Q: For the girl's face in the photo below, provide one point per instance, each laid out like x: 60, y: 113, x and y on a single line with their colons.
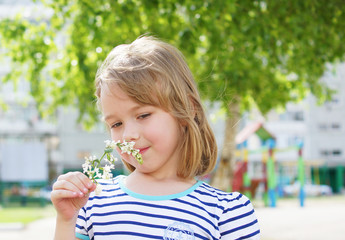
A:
x: 155, y: 132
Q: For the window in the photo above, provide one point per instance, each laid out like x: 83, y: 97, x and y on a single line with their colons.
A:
x: 292, y: 116
x: 336, y: 152
x: 324, y: 153
x: 334, y: 102
x: 331, y: 153
x: 336, y: 126
x: 298, y: 116
x: 331, y: 126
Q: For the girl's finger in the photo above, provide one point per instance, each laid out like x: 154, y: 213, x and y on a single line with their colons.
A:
x: 78, y: 179
x: 70, y: 186
x: 56, y: 194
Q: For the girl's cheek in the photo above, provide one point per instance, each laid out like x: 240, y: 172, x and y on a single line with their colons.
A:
x: 115, y: 135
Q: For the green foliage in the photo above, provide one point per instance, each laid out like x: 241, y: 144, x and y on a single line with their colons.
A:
x: 264, y: 53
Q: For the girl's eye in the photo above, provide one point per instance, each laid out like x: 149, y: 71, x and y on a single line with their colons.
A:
x: 142, y: 116
x: 115, y: 125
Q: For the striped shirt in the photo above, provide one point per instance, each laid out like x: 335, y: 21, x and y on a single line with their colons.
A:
x: 201, y: 212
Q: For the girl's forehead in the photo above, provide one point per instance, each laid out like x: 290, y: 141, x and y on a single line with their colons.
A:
x: 113, y: 90
x: 114, y: 94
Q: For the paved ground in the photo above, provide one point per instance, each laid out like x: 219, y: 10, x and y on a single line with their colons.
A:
x: 321, y: 218
x: 39, y: 230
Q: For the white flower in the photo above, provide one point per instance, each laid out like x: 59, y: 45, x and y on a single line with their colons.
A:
x: 97, y: 173
x: 86, y: 167
x: 107, y: 171
x: 90, y: 159
x: 108, y: 168
x: 111, y: 159
x: 110, y: 144
x: 93, y: 168
x: 128, y: 147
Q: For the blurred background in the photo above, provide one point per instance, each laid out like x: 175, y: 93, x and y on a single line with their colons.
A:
x: 271, y: 74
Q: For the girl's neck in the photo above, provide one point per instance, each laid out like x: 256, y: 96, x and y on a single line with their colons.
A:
x: 147, y: 184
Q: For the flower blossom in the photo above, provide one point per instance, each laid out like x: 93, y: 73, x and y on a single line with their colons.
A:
x: 92, y: 166
x: 128, y: 147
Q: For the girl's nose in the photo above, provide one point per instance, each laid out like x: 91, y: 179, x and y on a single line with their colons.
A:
x: 130, y: 133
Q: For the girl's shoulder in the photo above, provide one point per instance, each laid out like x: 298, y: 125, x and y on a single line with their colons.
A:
x: 210, y: 193
x: 236, y: 215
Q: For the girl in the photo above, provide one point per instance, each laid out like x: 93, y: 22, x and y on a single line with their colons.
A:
x: 147, y: 94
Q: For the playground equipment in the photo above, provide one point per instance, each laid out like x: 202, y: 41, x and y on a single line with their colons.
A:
x: 242, y: 182
x: 272, y: 185
x: 301, y: 173
x: 271, y: 176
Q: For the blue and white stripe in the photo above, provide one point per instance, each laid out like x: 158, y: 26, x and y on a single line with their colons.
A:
x: 201, y: 212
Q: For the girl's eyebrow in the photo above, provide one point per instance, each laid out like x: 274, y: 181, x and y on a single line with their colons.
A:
x: 112, y: 116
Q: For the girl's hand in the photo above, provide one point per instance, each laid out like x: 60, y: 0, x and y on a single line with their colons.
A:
x: 70, y: 193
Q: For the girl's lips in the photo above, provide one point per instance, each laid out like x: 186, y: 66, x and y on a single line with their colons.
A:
x: 143, y: 150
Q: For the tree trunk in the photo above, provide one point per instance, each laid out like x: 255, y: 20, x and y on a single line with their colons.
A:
x: 223, y: 176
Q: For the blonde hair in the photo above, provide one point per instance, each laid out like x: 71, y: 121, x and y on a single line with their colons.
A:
x: 154, y: 72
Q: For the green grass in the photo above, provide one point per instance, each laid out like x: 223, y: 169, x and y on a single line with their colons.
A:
x: 25, y: 214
